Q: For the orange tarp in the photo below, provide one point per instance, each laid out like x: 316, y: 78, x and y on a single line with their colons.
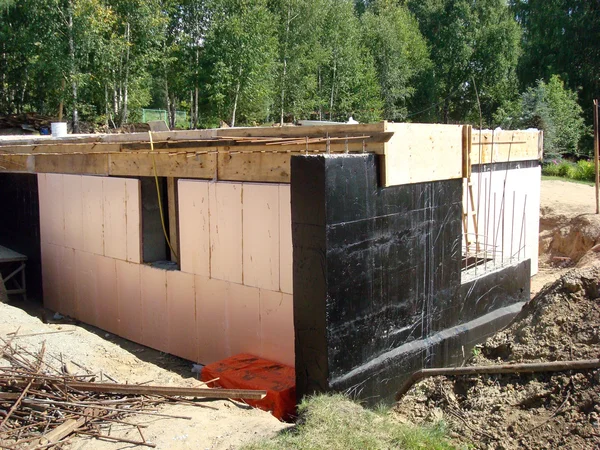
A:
x: 246, y: 371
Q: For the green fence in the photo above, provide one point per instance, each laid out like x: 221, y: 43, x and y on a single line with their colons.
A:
x: 181, y: 118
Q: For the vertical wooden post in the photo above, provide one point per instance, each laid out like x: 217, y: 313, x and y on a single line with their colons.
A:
x: 596, y: 154
x: 172, y: 210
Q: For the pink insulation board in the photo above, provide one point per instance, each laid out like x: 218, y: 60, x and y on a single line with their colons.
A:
x: 212, y: 321
x: 93, y: 215
x: 194, y: 229
x: 285, y: 239
x: 91, y: 240
x: 226, y: 231
x: 129, y: 300
x: 277, y: 327
x: 261, y: 235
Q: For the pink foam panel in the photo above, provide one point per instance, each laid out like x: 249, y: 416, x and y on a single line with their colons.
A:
x: 226, y: 231
x: 277, y: 327
x: 261, y: 235
x: 194, y: 229
x: 181, y: 304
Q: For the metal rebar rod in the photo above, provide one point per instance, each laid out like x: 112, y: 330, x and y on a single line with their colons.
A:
x: 558, y: 366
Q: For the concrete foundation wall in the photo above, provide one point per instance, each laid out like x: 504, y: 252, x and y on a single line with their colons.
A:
x: 508, y: 215
x: 232, y: 294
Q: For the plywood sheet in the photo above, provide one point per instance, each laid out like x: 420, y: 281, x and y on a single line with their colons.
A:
x: 129, y: 300
x: 212, y: 322
x: 73, y: 207
x: 261, y: 235
x: 55, y: 195
x: 115, y: 218
x: 285, y: 240
x: 108, y: 300
x: 181, y: 305
x: 154, y: 308
x: 87, y: 287
x: 225, y: 202
x: 277, y: 327
x: 194, y: 227
x: 505, y: 145
x: 93, y: 214
x: 422, y: 152
x: 133, y: 218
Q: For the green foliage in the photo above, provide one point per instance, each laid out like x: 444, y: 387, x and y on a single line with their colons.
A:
x: 392, y: 35
x: 550, y: 107
x: 469, y: 41
x: 334, y: 422
x: 582, y: 170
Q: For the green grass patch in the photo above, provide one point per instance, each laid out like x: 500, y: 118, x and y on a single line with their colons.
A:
x: 335, y: 422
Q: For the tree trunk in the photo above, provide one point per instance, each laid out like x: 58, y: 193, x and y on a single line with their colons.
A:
x: 126, y: 87
x: 283, y: 76
x: 237, y: 95
x: 73, y: 79
x: 320, y: 98
x: 332, y: 89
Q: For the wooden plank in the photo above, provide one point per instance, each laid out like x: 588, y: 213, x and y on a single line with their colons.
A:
x: 173, y: 217
x: 422, y: 152
x: 265, y: 167
x: 141, y: 164
x: 505, y: 145
x: 169, y: 391
x: 321, y: 131
x: 72, y: 164
x: 17, y: 163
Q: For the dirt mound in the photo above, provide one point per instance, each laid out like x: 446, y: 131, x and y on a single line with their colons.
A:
x: 570, y: 237
x: 533, y: 411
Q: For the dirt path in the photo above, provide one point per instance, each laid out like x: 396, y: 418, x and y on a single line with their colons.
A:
x: 568, y: 228
x: 214, y: 424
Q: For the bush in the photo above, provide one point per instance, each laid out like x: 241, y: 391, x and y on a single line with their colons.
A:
x: 583, y: 170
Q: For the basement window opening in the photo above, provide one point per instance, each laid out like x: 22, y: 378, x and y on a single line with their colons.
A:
x: 156, y: 229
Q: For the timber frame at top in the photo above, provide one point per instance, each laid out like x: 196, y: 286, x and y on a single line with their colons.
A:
x: 409, y: 153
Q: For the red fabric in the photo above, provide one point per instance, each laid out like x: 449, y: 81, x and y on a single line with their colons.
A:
x: 246, y: 371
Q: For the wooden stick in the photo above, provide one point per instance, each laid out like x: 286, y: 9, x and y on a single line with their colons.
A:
x: 117, y: 439
x: 172, y: 391
x: 597, y: 154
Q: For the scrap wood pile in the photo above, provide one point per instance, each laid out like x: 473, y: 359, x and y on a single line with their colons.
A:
x: 44, y: 404
x: 544, y: 410
x: 29, y: 121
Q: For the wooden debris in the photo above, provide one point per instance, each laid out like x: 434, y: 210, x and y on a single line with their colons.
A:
x: 42, y: 406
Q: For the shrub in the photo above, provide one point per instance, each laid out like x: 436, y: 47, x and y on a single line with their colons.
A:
x: 583, y: 170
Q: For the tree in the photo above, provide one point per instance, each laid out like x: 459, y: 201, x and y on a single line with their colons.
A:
x: 400, y: 53
x: 300, y: 53
x: 239, y: 60
x: 473, y: 44
x: 561, y: 37
x: 552, y: 108
x: 347, y: 79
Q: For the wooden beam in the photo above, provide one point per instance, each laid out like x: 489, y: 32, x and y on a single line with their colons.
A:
x: 72, y: 164
x: 504, y: 146
x: 181, y: 166
x: 173, y: 217
x: 265, y: 167
x: 420, y: 153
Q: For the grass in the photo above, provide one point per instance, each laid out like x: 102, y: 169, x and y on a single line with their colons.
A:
x: 328, y: 422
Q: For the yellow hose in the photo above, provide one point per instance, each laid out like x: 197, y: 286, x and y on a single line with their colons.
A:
x: 160, y: 209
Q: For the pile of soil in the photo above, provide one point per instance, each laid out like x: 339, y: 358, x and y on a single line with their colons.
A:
x: 533, y: 411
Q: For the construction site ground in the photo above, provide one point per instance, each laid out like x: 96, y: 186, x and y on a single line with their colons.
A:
x: 488, y: 411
